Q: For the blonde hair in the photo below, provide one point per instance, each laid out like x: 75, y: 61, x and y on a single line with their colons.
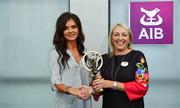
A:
x: 111, y: 46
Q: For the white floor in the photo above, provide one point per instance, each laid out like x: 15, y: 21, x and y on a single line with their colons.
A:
x: 37, y: 94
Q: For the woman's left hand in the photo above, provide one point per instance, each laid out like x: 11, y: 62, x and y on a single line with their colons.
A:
x: 84, y: 93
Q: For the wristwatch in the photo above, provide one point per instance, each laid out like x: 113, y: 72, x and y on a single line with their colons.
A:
x: 115, y: 85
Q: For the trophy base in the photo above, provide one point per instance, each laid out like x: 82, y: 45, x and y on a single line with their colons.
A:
x: 101, y: 90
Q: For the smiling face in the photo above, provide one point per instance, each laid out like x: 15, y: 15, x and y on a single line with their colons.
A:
x: 120, y: 39
x: 71, y: 31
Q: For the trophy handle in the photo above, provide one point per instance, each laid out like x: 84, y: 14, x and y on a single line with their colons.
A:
x: 92, y: 62
x: 100, y: 78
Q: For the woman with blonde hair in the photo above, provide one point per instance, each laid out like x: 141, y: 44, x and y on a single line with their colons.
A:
x: 124, y: 73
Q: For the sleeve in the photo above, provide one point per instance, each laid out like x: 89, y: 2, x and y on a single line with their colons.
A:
x: 96, y: 96
x: 55, y: 70
x: 138, y: 88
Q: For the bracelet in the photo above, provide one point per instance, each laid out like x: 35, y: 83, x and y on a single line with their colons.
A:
x: 67, y: 89
x: 115, y: 85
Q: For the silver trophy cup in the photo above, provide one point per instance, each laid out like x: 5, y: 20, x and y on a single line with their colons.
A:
x: 92, y: 62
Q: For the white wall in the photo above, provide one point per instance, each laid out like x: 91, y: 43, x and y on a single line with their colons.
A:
x: 163, y: 60
x: 94, y: 18
x: 26, y: 33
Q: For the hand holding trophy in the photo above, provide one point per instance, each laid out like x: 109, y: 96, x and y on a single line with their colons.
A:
x: 92, y: 62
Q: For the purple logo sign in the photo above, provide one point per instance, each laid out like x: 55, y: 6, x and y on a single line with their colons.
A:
x: 152, y: 22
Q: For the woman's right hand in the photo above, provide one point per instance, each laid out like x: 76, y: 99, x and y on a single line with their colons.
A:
x: 98, y: 76
x: 99, y: 84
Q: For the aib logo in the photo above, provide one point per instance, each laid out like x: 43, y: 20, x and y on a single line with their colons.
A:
x: 149, y: 19
x: 152, y: 22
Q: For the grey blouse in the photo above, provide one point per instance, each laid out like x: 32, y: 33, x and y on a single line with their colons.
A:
x: 75, y: 75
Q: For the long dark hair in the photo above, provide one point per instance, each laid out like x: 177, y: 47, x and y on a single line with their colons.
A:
x: 59, y: 41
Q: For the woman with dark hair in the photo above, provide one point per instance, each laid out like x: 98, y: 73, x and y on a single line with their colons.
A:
x: 68, y: 77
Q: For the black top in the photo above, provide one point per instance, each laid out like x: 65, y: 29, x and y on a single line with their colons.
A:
x: 114, y: 98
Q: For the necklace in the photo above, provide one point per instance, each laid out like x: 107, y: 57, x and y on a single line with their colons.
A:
x: 122, y: 63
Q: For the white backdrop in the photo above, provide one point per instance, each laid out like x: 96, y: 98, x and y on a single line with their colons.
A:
x: 94, y: 17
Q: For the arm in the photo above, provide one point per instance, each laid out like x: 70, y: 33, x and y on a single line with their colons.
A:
x: 138, y: 88
x: 135, y: 89
x: 81, y: 93
x: 101, y: 83
x: 56, y: 82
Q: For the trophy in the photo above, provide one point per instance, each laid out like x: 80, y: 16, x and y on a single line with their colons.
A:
x: 92, y: 62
